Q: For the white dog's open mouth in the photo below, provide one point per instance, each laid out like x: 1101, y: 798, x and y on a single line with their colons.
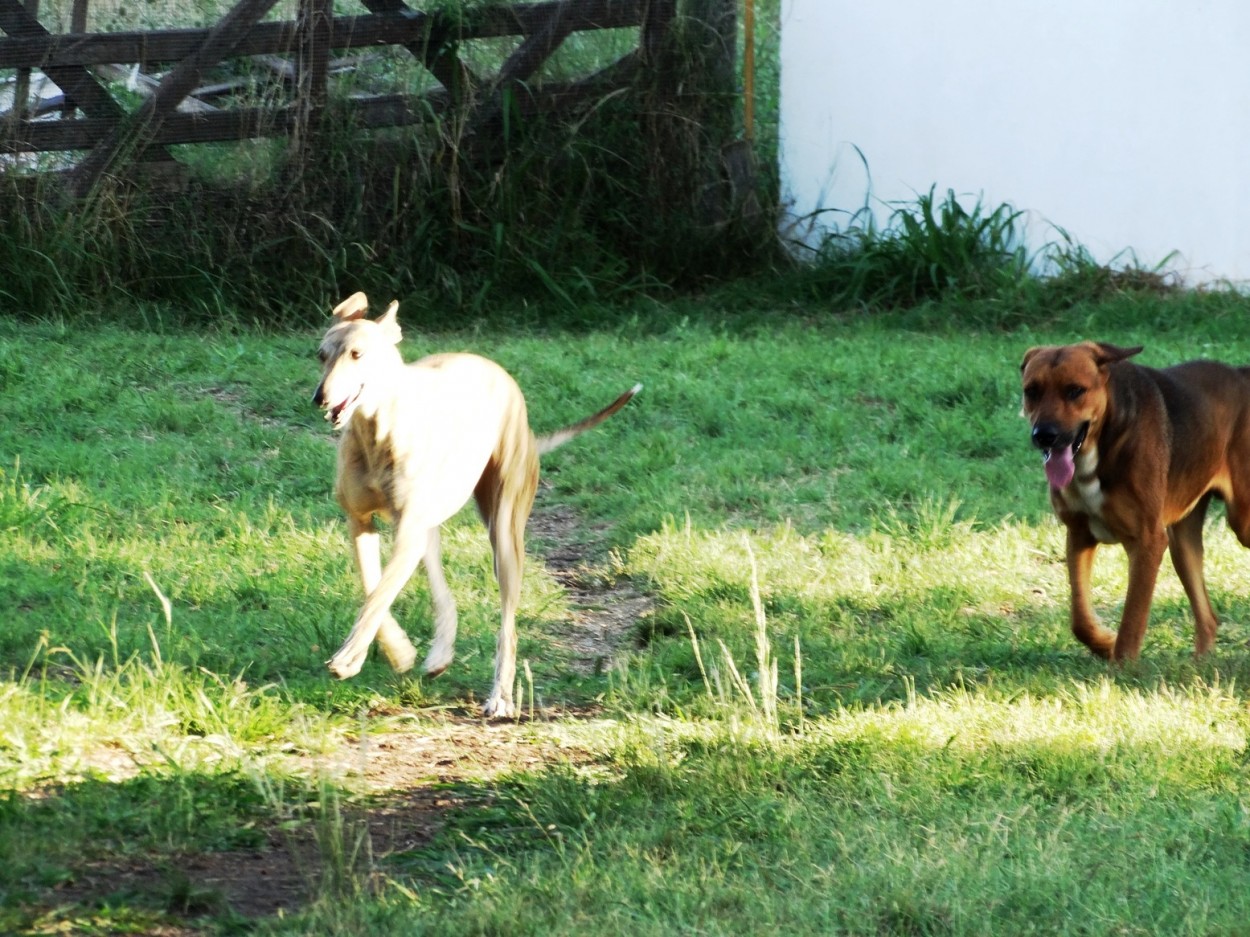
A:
x: 339, y: 413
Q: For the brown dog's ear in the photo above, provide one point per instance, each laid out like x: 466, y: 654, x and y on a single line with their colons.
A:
x: 351, y: 308
x: 1109, y: 354
x: 1028, y: 356
x: 390, y: 322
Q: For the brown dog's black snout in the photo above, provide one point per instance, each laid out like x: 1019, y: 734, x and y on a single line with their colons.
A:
x: 319, y: 396
x: 1046, y: 435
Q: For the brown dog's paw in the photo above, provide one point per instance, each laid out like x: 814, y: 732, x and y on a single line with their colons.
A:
x: 1100, y: 642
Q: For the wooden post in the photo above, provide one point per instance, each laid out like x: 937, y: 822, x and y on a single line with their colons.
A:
x: 312, y: 64
x: 78, y: 26
x: 748, y: 70
x: 715, y: 30
x: 657, y: 17
x: 312, y: 68
x: 21, y: 90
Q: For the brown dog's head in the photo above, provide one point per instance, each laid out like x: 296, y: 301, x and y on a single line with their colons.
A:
x: 354, y: 353
x: 1065, y: 396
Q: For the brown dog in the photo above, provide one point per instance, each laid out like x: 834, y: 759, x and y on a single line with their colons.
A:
x: 418, y: 440
x: 1134, y: 455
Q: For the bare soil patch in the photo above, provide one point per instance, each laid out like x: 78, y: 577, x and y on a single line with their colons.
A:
x: 406, y: 782
x: 606, y: 610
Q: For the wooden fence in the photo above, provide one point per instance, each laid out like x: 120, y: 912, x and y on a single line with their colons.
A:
x: 178, y: 108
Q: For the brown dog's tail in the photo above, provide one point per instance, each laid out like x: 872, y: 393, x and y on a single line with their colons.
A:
x: 561, y: 436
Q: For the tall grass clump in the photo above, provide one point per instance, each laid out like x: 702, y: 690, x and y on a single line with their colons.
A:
x: 946, y: 252
x: 750, y: 702
x: 928, y: 250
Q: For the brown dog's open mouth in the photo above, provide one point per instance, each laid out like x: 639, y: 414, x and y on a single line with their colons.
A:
x: 336, y: 413
x: 1060, y: 460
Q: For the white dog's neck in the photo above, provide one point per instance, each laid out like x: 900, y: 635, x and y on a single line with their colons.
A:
x: 374, y: 412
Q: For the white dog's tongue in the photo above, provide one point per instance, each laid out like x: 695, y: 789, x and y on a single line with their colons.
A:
x: 1059, y: 467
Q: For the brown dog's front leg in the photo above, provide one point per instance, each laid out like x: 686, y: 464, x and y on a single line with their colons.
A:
x: 1085, y: 625
x: 1144, y: 557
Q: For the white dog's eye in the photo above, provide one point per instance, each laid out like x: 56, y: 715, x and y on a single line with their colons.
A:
x: 355, y: 354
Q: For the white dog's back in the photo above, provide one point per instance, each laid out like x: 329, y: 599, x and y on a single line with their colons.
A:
x: 460, y: 397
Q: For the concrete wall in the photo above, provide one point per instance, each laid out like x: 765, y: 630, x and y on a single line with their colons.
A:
x: 1125, y: 123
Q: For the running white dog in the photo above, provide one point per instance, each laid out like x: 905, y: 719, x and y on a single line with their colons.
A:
x: 418, y: 440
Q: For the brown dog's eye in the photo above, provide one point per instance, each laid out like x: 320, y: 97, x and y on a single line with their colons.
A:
x: 1073, y: 392
x: 1033, y: 393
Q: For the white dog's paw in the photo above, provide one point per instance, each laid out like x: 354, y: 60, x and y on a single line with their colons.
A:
x: 438, y: 660
x: 400, y: 653
x: 498, y: 708
x: 401, y: 657
x: 346, y: 664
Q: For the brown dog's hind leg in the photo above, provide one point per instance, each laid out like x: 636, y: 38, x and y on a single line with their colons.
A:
x: 1185, y: 546
x: 1081, y: 549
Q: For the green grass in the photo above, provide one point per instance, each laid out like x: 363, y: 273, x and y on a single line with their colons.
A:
x: 855, y: 709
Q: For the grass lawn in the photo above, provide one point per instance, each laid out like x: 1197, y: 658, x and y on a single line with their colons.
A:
x: 830, y: 687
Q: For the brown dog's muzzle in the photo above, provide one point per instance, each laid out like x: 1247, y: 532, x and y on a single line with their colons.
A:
x: 1060, y: 448
x: 1048, y: 436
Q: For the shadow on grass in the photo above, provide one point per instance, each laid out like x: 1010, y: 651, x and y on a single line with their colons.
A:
x: 163, y: 849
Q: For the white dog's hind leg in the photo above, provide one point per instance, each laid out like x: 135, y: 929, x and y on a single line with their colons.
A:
x: 509, y: 556
x: 375, y: 617
x: 443, y: 648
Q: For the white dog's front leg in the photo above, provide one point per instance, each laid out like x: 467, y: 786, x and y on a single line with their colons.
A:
x: 367, y: 547
x: 376, y: 613
x: 443, y: 648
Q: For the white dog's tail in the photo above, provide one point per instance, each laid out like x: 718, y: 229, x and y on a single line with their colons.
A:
x: 561, y: 436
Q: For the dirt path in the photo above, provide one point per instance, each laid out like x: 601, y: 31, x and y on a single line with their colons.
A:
x: 606, y: 610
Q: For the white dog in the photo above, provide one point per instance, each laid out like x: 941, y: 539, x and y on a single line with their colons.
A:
x: 418, y: 440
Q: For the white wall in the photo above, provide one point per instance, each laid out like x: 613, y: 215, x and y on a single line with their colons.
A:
x: 1125, y: 122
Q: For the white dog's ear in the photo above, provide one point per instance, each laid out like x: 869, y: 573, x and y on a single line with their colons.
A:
x: 351, y: 308
x: 390, y: 322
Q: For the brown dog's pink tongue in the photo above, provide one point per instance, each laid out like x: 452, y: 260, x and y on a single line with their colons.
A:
x: 1059, y: 467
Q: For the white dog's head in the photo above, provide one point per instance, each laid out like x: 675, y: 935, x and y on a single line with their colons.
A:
x: 355, y: 353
